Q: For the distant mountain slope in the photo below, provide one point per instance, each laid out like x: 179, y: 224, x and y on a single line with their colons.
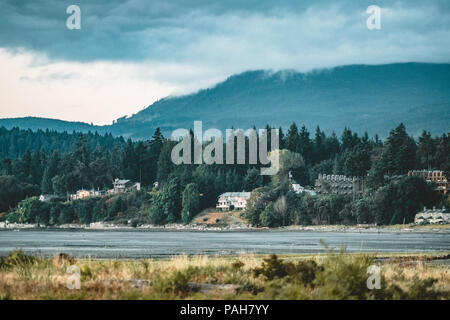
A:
x: 364, y: 98
x: 35, y: 123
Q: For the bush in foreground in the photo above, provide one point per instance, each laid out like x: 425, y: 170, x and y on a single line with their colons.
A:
x: 330, y: 276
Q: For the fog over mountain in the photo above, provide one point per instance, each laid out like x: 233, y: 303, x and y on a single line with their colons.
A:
x: 372, y: 98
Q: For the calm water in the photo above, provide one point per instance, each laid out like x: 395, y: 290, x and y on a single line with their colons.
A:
x: 134, y: 244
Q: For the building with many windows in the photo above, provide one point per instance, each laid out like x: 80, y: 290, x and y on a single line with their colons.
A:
x: 435, y: 176
x: 339, y: 184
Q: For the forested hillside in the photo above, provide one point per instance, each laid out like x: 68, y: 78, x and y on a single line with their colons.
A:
x: 15, y: 142
x: 186, y: 189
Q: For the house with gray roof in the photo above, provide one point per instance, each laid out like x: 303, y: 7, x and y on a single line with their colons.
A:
x: 432, y: 216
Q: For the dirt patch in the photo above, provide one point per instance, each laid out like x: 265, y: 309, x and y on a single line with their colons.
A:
x: 214, y: 218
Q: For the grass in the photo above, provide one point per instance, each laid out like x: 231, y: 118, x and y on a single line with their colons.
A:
x: 325, y: 276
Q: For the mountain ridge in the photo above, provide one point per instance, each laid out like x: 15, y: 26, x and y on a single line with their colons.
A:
x: 372, y: 98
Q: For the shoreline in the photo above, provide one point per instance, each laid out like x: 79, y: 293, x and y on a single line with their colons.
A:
x: 232, y: 228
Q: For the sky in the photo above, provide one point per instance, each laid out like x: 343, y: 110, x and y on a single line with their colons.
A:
x: 130, y: 53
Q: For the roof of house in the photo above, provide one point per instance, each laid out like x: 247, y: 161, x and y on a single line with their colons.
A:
x: 121, y: 181
x: 424, y: 171
x: 48, y: 196
x: 433, y: 211
x: 236, y: 194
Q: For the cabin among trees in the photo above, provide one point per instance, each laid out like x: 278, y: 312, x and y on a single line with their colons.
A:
x: 123, y: 185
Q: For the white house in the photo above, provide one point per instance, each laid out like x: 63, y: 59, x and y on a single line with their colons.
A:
x: 432, y: 216
x: 232, y: 201
x: 83, y: 194
x: 297, y: 188
x: 123, y: 185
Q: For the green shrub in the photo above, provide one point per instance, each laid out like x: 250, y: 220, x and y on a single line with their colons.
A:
x: 420, y: 289
x: 273, y: 268
x: 134, y: 223
x: 343, y: 277
x: 86, y: 272
x: 339, y: 277
x: 176, y: 284
x: 237, y: 265
x: 17, y: 258
x: 304, y: 272
x: 283, y: 289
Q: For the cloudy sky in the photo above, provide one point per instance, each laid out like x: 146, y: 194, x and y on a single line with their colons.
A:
x: 131, y: 53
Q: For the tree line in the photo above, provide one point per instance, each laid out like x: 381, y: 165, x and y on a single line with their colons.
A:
x: 94, y: 161
x: 15, y: 142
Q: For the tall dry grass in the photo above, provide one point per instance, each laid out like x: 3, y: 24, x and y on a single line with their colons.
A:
x: 215, y: 277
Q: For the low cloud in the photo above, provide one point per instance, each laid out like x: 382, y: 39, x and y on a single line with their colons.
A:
x: 91, y: 92
x: 134, y: 52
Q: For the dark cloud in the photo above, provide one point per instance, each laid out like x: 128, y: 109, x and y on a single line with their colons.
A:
x: 211, y: 31
x: 143, y: 50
